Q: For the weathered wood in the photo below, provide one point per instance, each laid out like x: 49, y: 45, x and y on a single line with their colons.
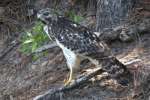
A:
x: 7, y: 50
x: 45, y: 47
x: 126, y: 32
x: 112, y: 13
x: 120, y: 19
x: 53, y: 94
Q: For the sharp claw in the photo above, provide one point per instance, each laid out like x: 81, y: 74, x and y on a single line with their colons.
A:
x: 67, y: 82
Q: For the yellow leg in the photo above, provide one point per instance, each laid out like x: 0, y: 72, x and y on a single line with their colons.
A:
x: 70, y: 77
x: 73, y: 64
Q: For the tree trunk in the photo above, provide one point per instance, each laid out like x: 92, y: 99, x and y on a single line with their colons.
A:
x: 112, y: 13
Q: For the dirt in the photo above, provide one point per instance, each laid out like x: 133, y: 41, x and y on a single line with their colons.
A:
x: 23, y: 79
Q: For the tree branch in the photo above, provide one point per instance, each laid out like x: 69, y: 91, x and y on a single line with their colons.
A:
x: 53, y: 94
x: 5, y: 52
x: 45, y: 47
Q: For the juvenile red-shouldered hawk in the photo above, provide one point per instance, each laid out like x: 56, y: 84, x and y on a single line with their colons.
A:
x: 78, y: 42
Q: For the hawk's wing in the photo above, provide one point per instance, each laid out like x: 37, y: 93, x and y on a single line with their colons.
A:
x: 79, y: 39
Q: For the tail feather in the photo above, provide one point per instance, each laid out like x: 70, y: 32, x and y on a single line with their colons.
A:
x: 116, y: 69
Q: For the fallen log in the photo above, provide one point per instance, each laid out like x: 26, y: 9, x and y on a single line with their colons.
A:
x: 126, y: 32
x: 53, y: 93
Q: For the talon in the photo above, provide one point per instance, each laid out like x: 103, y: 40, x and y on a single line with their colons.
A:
x: 67, y: 82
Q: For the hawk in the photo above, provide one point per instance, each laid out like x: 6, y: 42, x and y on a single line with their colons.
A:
x: 78, y: 42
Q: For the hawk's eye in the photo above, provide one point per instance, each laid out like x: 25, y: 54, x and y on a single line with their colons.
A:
x: 46, y: 14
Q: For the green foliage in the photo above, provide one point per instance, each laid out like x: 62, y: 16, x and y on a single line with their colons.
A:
x: 37, y: 56
x: 33, y: 39
x: 74, y: 17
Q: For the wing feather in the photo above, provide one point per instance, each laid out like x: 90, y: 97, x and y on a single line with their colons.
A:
x: 79, y: 39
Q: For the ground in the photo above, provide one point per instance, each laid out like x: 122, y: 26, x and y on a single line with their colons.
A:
x: 23, y: 79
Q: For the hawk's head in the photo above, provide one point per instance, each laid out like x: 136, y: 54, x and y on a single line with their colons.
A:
x: 47, y: 15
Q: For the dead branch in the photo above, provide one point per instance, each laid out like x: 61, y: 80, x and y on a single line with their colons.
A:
x: 132, y: 61
x: 126, y: 32
x: 5, y: 52
x: 52, y: 94
x: 45, y: 47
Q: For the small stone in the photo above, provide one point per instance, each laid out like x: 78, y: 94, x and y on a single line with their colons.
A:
x: 33, y: 66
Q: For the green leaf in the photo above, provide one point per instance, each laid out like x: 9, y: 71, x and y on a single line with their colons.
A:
x: 29, y: 34
x: 35, y: 57
x: 77, y: 19
x: 34, y: 47
x: 28, y: 41
x: 74, y: 17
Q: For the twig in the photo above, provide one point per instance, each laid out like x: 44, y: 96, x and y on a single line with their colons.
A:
x: 52, y: 94
x: 5, y: 52
x: 132, y: 61
x: 45, y: 47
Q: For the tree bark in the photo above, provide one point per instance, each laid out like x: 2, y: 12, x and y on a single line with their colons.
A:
x: 112, y: 13
x: 122, y: 19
